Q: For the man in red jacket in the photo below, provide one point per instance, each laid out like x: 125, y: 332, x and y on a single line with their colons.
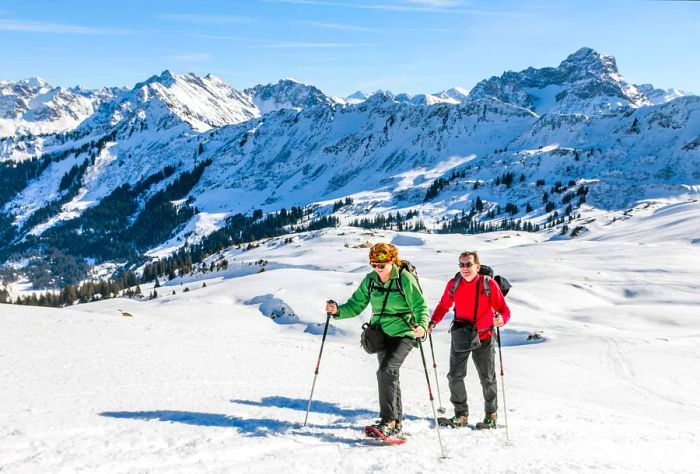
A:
x: 477, y: 312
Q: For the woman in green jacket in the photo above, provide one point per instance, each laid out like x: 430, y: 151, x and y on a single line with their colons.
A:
x: 399, y: 308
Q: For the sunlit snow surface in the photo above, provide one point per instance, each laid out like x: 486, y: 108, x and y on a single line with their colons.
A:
x: 209, y: 381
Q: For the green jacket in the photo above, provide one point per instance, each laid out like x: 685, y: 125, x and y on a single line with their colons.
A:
x: 413, y: 306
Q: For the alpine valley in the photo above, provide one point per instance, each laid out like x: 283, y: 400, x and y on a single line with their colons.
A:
x: 100, y: 180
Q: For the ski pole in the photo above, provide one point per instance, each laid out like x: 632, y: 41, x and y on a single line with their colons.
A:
x: 318, y: 363
x: 503, y: 383
x: 441, y: 409
x: 430, y: 393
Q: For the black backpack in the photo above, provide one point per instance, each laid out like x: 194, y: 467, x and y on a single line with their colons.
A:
x: 503, y: 284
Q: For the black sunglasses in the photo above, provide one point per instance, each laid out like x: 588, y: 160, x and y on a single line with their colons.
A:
x: 466, y: 265
x: 378, y: 265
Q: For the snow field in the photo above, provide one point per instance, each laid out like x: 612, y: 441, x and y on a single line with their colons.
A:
x: 206, y: 381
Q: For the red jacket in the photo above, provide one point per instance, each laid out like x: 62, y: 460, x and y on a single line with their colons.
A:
x: 464, y: 305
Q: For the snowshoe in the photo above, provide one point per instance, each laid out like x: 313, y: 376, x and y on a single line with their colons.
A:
x: 386, y: 431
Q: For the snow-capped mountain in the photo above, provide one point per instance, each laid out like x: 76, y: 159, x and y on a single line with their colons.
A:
x: 659, y: 96
x: 458, y: 94
x: 35, y: 106
x: 426, y: 99
x: 177, y: 154
x: 287, y: 94
x: 356, y: 97
x: 455, y: 95
x: 201, y: 102
x: 586, y: 82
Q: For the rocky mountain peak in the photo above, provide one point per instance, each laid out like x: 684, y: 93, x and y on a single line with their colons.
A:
x: 587, y: 62
x: 287, y: 94
x: 585, y: 82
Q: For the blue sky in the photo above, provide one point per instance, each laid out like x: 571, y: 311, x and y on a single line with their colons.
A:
x: 341, y: 46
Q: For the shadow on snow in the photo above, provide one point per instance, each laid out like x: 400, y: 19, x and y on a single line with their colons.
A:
x: 252, y: 427
x: 326, y: 408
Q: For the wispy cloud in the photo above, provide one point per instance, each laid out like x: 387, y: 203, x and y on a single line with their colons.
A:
x: 345, y: 27
x: 277, y: 44
x: 424, y: 6
x: 190, y: 57
x: 437, y: 3
x: 338, y: 26
x: 206, y: 19
x: 28, y: 26
x: 311, y: 44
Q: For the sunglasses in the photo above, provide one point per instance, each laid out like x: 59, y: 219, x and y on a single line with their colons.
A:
x: 378, y: 265
x: 466, y: 265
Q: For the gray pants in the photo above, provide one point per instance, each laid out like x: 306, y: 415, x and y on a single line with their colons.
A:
x: 484, y: 360
x: 390, y: 360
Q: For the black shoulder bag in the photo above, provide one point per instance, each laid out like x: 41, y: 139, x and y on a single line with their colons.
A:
x: 373, y: 338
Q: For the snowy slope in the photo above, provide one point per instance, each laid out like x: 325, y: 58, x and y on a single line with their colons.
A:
x: 292, y: 158
x: 208, y: 380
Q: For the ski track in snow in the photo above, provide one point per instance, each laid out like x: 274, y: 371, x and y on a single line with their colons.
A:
x: 208, y: 381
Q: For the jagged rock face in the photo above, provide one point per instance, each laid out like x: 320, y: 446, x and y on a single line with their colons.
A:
x: 585, y: 82
x: 168, y: 99
x: 660, y: 96
x: 287, y: 94
x: 356, y: 97
x: 426, y: 99
x: 35, y: 106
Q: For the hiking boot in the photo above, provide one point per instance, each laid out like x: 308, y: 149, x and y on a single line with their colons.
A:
x: 459, y: 420
x: 387, y: 428
x: 488, y: 423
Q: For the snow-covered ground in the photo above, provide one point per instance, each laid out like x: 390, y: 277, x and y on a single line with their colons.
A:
x: 217, y: 379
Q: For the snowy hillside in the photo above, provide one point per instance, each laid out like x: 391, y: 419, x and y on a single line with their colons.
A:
x: 217, y: 378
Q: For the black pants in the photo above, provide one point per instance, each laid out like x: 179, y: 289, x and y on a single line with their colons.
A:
x: 390, y: 360
x: 484, y: 360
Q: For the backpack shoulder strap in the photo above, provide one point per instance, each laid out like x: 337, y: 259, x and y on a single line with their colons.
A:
x: 399, y: 284
x: 487, y: 286
x: 455, y: 284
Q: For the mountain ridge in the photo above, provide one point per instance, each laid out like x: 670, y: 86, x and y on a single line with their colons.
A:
x: 466, y: 157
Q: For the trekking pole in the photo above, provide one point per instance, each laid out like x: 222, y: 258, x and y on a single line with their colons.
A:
x: 503, y: 383
x: 441, y: 410
x: 318, y: 363
x: 432, y: 400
